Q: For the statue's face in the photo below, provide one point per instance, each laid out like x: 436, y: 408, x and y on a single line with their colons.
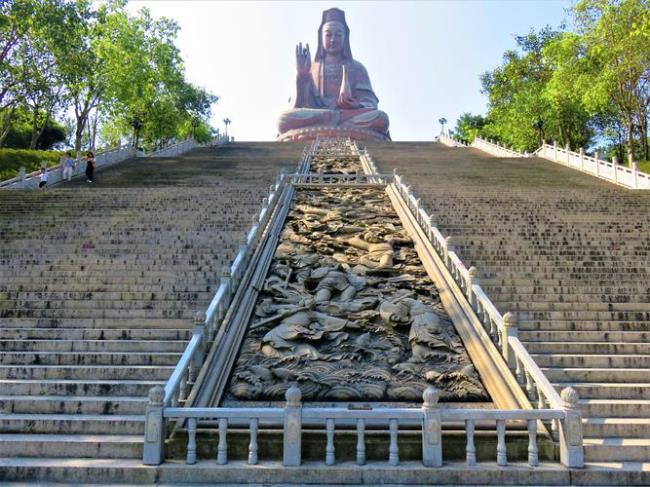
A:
x: 333, y: 37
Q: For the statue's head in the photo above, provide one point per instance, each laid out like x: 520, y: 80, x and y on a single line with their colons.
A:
x: 333, y: 35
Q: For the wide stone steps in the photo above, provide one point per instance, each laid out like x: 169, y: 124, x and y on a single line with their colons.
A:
x: 89, y: 358
x: 86, y: 404
x: 98, y: 372
x: 583, y: 325
x: 607, y: 408
x: 616, y: 362
x: 561, y: 338
x: 79, y: 387
x: 593, y: 374
x: 17, y: 334
x: 70, y: 346
x: 595, y: 427
x: 128, y: 424
x: 588, y: 348
x: 104, y: 296
x: 120, y: 323
x: 609, y: 390
x: 91, y: 313
x: 99, y: 304
x: 71, y: 446
x: 616, y: 449
x: 525, y: 307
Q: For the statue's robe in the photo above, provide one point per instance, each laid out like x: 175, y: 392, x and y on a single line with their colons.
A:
x: 316, y: 100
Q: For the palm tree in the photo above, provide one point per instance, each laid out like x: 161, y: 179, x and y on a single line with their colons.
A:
x: 442, y: 121
x: 226, y: 122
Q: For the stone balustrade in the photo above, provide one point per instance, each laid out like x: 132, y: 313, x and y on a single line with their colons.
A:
x: 448, y: 141
x: 294, y: 417
x: 496, y: 149
x: 613, y: 172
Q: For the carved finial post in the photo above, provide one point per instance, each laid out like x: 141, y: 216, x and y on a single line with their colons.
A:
x: 292, y: 427
x: 582, y: 158
x: 571, y: 449
x: 431, y: 428
x: 154, y: 429
x: 509, y: 330
x: 472, y: 279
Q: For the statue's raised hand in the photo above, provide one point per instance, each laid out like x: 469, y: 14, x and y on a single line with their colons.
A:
x: 303, y: 60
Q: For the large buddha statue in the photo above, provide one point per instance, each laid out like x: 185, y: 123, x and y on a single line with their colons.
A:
x: 333, y: 96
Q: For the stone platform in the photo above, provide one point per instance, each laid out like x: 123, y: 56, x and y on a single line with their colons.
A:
x: 323, y: 132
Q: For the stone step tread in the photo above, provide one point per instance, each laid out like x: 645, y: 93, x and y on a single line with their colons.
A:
x: 124, y: 418
x: 616, y: 421
x: 616, y: 441
x: 76, y: 438
x: 73, y: 398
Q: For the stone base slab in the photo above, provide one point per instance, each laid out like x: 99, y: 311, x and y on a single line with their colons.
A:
x: 323, y: 131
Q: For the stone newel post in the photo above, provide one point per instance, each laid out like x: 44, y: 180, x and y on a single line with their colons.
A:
x: 292, y: 428
x: 509, y: 330
x: 154, y: 428
x: 571, y: 448
x: 431, y: 428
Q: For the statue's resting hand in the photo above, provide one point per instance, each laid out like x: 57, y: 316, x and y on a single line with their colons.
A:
x: 303, y: 60
x: 346, y: 101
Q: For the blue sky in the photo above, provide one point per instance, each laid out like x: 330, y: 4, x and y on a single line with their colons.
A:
x: 424, y: 57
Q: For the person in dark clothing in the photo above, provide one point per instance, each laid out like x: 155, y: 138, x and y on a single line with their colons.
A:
x: 90, y: 167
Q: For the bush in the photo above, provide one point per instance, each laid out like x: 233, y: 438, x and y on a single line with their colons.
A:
x: 11, y: 160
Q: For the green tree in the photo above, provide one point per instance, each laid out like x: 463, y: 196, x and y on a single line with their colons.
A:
x: 468, y: 127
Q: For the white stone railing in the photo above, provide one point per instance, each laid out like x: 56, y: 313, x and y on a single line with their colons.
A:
x: 294, y: 419
x: 502, y: 330
x: 55, y: 173
x: 448, y: 141
x: 496, y: 149
x: 207, y: 324
x: 326, y: 179
x: 613, y: 172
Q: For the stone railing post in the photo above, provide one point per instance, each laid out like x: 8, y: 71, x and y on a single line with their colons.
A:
x: 154, y: 428
x: 449, y: 247
x: 472, y: 279
x: 21, y: 177
x: 582, y: 158
x: 597, y: 163
x: 615, y: 168
x: 199, y: 356
x: 292, y: 452
x: 571, y: 449
x: 509, y: 330
x: 568, y: 154
x: 555, y: 150
x: 431, y: 428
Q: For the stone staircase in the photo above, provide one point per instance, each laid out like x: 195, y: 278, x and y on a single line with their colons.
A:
x: 569, y: 254
x: 98, y: 287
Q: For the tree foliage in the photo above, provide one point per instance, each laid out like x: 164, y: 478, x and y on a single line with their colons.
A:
x: 589, y: 87
x: 102, y: 66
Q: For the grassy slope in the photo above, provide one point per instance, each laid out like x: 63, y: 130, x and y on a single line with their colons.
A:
x: 11, y: 160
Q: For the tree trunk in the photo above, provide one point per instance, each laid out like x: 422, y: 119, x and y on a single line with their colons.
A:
x: 630, y: 138
x: 6, y: 124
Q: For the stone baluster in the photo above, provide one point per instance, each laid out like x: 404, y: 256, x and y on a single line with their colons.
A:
x: 292, y: 428
x: 222, y: 447
x: 154, y: 428
x: 582, y: 158
x: 519, y: 372
x: 329, y: 448
x: 449, y: 247
x: 21, y: 177
x: 530, y: 386
x: 532, y: 443
x: 470, y: 449
x: 597, y: 163
x: 252, y: 446
x: 502, y: 457
x: 361, y: 442
x: 615, y: 168
x: 571, y: 449
x: 555, y: 150
x: 191, y: 441
x: 431, y: 428
x: 393, y: 448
